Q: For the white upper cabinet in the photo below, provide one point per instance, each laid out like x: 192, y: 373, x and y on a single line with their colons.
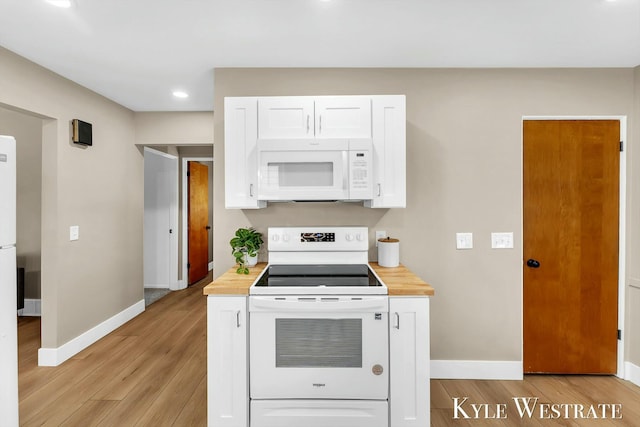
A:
x: 389, y: 152
x: 240, y: 154
x: 286, y: 117
x: 321, y: 120
x: 343, y: 117
x: 314, y: 117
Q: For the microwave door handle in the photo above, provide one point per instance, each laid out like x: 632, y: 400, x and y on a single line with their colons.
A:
x: 345, y: 170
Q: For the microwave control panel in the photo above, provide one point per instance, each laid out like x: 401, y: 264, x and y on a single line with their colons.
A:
x: 360, y: 175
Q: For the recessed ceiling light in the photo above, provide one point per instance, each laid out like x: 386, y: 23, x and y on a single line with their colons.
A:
x: 60, y: 3
x: 180, y: 94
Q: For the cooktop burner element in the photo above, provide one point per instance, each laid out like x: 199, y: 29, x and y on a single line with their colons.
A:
x: 318, y: 260
x: 318, y: 275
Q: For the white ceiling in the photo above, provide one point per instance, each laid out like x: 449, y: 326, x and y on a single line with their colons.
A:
x: 136, y: 52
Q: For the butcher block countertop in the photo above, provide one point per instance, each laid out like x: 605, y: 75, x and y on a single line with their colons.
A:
x: 399, y: 280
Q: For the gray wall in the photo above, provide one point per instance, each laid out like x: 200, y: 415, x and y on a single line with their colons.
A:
x: 98, y: 188
x: 464, y: 173
x: 28, y: 133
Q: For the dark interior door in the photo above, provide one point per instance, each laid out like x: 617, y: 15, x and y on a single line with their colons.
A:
x: 198, y: 217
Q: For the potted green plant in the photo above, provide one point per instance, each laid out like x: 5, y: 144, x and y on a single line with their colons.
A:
x: 245, y: 246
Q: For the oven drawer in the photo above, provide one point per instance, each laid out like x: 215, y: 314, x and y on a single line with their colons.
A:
x: 319, y: 413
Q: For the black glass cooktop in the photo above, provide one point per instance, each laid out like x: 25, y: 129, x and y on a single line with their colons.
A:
x: 318, y: 275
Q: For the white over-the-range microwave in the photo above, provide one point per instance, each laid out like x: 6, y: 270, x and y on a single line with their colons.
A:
x: 315, y: 169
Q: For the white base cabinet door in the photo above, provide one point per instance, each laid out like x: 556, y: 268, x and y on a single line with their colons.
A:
x: 227, y: 370
x: 409, y: 359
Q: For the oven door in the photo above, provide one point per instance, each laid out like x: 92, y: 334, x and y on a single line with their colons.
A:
x: 319, y: 347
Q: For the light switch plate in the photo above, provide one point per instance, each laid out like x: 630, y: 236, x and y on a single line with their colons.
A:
x: 464, y: 240
x: 502, y: 240
x: 74, y: 232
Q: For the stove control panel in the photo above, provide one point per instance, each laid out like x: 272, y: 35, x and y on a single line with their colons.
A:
x: 329, y: 239
x: 317, y: 237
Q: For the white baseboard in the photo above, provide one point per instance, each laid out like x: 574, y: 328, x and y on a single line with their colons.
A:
x: 476, y: 370
x: 55, y: 356
x: 632, y: 373
x: 156, y: 286
x: 180, y: 284
x: 32, y: 307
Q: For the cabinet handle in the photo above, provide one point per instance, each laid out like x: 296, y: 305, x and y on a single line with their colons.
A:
x: 307, y: 123
x: 320, y: 125
x: 250, y: 190
x: 397, y: 325
x: 379, y: 189
x: 238, y: 319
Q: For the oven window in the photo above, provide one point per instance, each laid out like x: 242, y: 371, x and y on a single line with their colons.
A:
x: 318, y: 343
x: 302, y: 174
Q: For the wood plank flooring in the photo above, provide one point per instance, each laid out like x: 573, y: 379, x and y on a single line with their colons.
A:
x: 152, y: 372
x: 149, y: 372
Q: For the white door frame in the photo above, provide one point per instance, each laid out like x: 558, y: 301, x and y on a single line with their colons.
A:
x: 172, y: 194
x: 185, y: 216
x: 621, y: 230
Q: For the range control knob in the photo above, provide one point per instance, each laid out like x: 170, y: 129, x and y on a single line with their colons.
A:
x: 275, y: 237
x: 349, y: 237
x: 285, y: 237
x: 359, y: 237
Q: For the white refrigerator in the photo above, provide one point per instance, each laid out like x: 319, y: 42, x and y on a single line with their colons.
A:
x: 8, y: 290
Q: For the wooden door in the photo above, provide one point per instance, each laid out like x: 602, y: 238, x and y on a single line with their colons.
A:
x: 198, y: 211
x: 571, y: 201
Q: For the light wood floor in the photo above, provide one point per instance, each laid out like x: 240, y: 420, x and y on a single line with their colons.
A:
x: 152, y: 372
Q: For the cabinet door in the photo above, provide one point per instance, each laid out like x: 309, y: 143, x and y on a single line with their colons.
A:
x: 240, y: 154
x: 227, y: 369
x: 389, y: 152
x: 409, y: 359
x: 343, y: 117
x: 283, y: 117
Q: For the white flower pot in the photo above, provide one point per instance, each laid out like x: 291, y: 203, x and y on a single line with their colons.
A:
x: 250, y: 261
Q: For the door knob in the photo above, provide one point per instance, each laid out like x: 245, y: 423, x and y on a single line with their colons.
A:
x: 533, y: 263
x: 208, y: 227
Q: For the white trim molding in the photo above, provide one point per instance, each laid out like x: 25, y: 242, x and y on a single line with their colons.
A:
x: 56, y: 356
x: 632, y: 373
x: 477, y: 369
x: 32, y: 307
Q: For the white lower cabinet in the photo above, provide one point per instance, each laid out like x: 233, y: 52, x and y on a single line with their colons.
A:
x: 409, y: 359
x: 319, y: 413
x: 228, y: 375
x: 227, y: 366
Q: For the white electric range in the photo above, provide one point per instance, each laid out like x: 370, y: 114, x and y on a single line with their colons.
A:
x: 319, y: 331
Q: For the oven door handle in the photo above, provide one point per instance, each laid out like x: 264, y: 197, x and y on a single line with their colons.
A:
x: 318, y: 304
